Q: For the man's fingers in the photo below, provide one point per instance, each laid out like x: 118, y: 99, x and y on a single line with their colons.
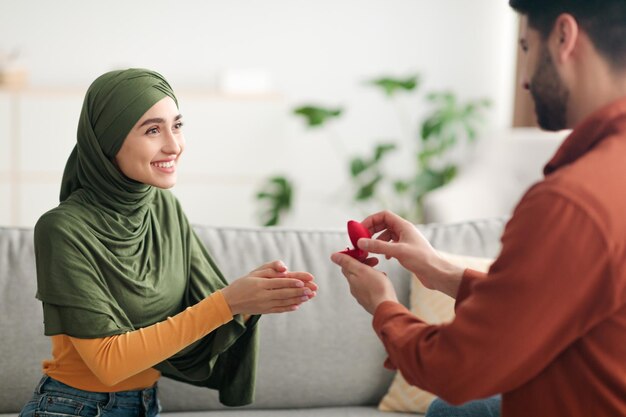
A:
x: 387, y: 236
x: 371, y: 262
x: 343, y: 260
x: 376, y: 246
x: 381, y: 221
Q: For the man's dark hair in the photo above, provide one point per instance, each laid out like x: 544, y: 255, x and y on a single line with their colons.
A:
x: 603, y: 20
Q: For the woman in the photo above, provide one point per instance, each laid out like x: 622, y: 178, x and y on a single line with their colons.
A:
x: 128, y: 290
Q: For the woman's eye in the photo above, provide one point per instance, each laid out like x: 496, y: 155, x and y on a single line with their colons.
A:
x: 152, y: 131
x: 178, y: 125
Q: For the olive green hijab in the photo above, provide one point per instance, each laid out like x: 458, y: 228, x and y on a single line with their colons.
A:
x: 117, y: 255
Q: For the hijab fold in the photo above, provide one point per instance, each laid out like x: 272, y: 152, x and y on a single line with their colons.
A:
x: 117, y: 255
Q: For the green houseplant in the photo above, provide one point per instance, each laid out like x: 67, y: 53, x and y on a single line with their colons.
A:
x: 448, y: 123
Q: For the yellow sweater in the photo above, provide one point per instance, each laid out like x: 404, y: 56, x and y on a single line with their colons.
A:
x: 124, y: 362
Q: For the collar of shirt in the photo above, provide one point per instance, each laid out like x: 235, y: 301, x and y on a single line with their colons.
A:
x: 607, y: 121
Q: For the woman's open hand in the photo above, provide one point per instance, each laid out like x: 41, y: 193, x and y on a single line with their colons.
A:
x: 270, y: 288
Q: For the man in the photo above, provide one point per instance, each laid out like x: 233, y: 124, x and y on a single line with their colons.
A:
x: 546, y: 327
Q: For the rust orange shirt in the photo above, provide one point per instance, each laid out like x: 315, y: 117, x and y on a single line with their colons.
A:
x: 546, y: 326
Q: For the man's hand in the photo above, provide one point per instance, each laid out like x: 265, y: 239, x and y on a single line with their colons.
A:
x: 401, y: 240
x: 369, y: 286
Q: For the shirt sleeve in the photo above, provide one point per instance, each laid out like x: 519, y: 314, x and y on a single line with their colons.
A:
x: 470, y: 277
x: 115, y: 358
x: 552, y: 282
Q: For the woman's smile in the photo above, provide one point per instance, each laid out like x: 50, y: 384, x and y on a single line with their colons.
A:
x: 166, y: 166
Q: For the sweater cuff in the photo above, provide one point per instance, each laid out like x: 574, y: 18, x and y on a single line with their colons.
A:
x: 223, y: 309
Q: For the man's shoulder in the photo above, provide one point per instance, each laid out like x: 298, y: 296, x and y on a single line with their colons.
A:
x: 594, y: 190
x: 597, y: 178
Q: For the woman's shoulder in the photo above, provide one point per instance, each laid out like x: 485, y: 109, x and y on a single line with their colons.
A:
x: 51, y: 222
x: 60, y: 219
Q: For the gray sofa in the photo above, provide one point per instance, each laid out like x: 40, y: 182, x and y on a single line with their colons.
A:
x: 323, y: 360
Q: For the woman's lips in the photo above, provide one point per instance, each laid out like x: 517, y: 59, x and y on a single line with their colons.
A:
x: 164, y: 166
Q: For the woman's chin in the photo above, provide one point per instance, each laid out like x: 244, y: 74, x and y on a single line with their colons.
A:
x: 165, y: 185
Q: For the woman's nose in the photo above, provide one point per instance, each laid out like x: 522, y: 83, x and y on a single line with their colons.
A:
x: 172, y: 146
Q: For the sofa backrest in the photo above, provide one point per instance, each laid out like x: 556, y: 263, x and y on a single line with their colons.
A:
x: 324, y: 354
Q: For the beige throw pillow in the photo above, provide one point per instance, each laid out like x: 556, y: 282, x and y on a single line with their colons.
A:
x: 433, y: 307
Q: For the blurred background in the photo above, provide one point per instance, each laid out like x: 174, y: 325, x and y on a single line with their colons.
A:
x: 240, y: 69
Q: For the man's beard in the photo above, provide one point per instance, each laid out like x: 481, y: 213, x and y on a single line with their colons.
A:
x: 549, y: 94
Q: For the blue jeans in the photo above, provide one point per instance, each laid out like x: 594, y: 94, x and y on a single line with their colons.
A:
x: 55, y: 399
x: 488, y: 407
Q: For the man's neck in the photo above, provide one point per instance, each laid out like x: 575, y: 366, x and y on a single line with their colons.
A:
x: 599, y: 86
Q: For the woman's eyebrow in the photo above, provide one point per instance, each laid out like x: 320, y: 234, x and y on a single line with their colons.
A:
x: 158, y: 120
x: 150, y: 121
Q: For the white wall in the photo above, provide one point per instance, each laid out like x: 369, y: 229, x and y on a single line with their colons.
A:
x: 317, y: 51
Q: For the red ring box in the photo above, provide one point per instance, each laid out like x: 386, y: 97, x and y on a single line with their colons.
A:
x: 356, y: 231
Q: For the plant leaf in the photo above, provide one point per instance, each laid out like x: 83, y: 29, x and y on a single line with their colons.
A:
x: 400, y: 186
x: 367, y: 190
x: 277, y: 195
x: 382, y: 149
x: 392, y: 85
x: 316, y: 116
x: 357, y: 166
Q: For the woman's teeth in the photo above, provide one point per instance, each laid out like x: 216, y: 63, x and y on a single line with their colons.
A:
x: 163, y: 164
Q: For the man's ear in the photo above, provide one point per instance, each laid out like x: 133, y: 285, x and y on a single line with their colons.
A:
x: 564, y: 37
